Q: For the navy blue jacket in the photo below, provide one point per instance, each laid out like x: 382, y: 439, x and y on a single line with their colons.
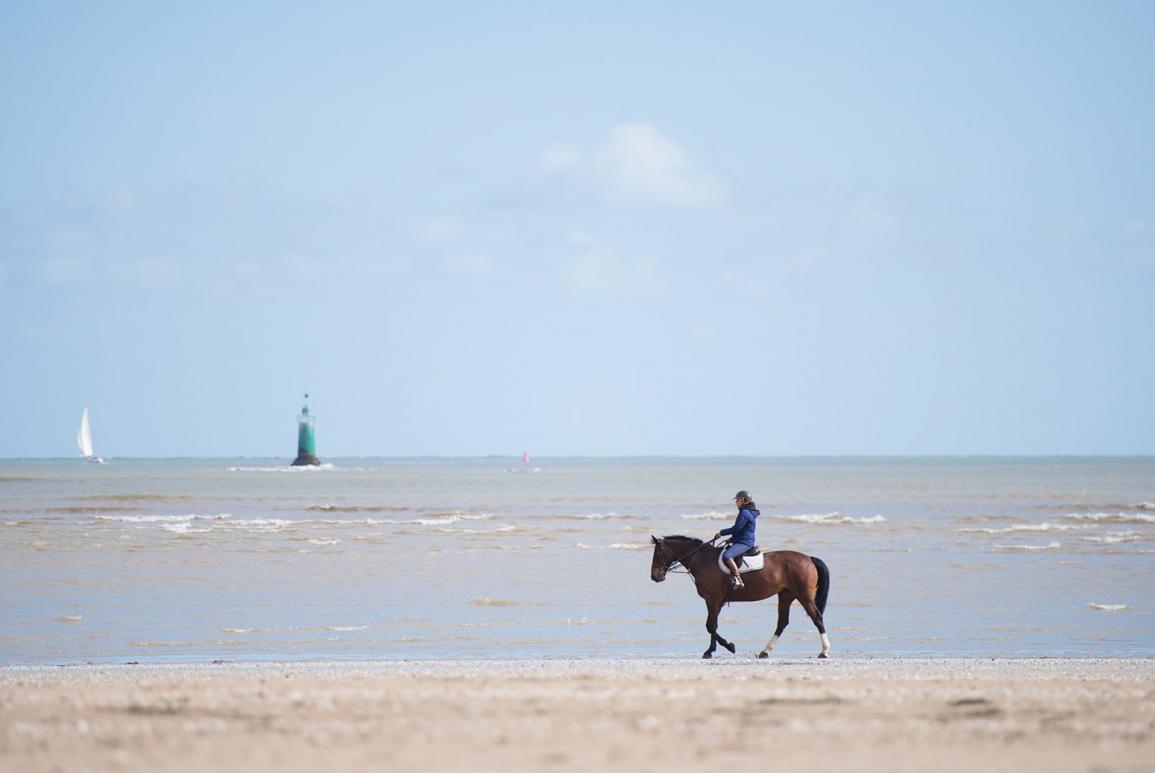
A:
x: 743, y: 528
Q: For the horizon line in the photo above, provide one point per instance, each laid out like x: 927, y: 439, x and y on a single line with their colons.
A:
x: 518, y: 457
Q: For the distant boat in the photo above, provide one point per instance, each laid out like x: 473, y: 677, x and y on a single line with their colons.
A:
x: 84, y: 440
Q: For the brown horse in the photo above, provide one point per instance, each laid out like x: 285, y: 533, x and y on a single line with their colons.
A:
x: 790, y: 574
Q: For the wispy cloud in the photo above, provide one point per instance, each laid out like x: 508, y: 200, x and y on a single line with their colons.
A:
x: 435, y: 231
x: 598, y: 269
x: 637, y: 164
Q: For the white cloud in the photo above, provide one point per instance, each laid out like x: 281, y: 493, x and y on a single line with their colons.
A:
x: 435, y: 231
x: 1136, y: 226
x: 68, y: 269
x: 468, y: 263
x: 872, y: 212
x: 598, y: 269
x: 560, y: 156
x: 150, y: 272
x: 637, y: 164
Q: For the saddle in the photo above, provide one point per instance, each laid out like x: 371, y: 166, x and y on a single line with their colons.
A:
x: 750, y: 561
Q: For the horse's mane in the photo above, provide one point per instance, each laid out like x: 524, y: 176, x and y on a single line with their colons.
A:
x: 693, y: 540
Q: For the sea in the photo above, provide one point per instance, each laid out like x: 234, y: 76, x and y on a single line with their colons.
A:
x: 202, y: 560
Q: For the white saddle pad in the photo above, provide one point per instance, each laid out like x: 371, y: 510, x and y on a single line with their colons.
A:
x: 748, y: 564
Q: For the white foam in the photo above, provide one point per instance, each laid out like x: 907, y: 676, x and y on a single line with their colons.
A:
x: 1111, y: 517
x: 1116, y: 537
x: 286, y: 468
x: 184, y: 527
x: 161, y: 518
x: 1053, y: 546
x: 834, y: 518
x: 486, y: 601
x: 324, y: 542
x: 629, y: 546
x: 1023, y: 527
x: 346, y: 628
x: 445, y: 520
x: 499, y: 529
x: 710, y: 516
x: 261, y: 524
x: 237, y: 630
x: 1108, y: 607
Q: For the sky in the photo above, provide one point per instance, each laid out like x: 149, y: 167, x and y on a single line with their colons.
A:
x: 607, y: 229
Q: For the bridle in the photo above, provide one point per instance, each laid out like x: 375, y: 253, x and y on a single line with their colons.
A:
x: 685, y: 569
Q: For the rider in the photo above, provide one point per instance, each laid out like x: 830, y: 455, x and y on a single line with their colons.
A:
x: 742, y: 534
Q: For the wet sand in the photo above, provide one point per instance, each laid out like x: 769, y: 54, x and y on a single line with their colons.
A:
x: 653, y: 715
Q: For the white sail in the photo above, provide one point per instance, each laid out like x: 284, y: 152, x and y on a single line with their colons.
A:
x: 84, y: 436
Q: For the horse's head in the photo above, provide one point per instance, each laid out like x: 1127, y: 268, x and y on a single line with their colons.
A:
x: 662, y: 559
x: 673, y: 549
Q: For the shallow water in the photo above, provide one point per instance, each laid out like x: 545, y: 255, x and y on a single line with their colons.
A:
x: 159, y: 560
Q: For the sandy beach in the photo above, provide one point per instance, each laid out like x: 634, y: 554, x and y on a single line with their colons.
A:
x: 859, y: 714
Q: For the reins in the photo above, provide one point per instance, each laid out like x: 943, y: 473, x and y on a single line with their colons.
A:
x: 685, y: 569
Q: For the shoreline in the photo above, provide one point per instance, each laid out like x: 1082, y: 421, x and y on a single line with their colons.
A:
x: 721, y: 658
x: 567, y: 714
x: 689, y: 657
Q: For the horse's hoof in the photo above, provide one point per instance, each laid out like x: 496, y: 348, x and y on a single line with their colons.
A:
x: 730, y: 646
x: 763, y: 655
x: 822, y: 655
x: 707, y: 655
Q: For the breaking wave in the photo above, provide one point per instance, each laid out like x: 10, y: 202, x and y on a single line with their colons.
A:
x: 1116, y: 537
x: 710, y: 516
x: 286, y: 468
x: 1107, y: 607
x: 629, y: 546
x: 590, y: 517
x: 162, y: 518
x: 502, y: 528
x: 828, y: 519
x: 445, y: 520
x: 1111, y: 517
x: 356, y: 509
x: 1022, y: 527
x: 485, y: 601
x: 1051, y: 547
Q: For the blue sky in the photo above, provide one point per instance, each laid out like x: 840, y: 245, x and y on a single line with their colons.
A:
x: 885, y: 228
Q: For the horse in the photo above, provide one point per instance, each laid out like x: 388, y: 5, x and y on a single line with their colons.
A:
x: 788, y: 573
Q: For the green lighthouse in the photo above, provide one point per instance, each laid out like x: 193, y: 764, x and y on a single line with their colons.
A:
x: 306, y: 444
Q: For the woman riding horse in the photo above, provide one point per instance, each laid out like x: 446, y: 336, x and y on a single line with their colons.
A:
x: 742, y: 535
x: 793, y: 576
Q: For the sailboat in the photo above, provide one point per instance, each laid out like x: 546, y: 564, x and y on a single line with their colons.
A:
x: 84, y: 440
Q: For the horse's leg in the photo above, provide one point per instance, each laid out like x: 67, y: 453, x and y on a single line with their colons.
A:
x: 712, y: 628
x: 712, y: 609
x: 727, y: 644
x: 785, y: 599
x: 812, y: 610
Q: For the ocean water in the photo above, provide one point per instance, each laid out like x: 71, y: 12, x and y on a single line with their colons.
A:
x: 227, y: 559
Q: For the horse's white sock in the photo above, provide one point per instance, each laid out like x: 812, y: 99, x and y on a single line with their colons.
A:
x: 770, y: 644
x: 825, y: 643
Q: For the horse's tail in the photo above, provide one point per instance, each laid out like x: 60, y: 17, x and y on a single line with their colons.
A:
x: 823, y: 583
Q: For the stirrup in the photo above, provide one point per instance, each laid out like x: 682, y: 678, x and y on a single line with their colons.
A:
x: 736, y: 582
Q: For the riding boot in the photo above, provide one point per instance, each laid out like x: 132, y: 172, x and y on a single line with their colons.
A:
x: 737, y: 579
